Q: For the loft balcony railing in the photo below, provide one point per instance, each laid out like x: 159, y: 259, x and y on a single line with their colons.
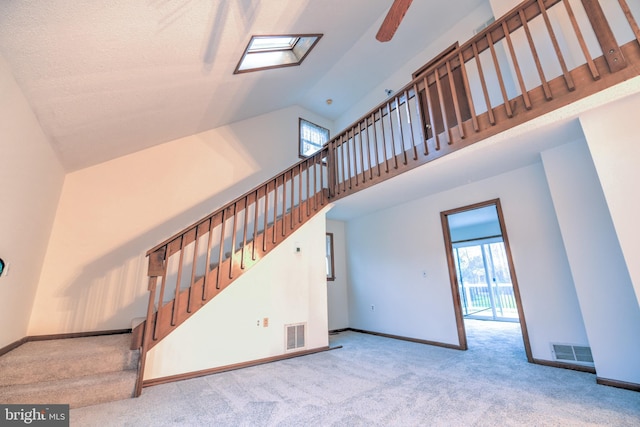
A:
x: 540, y: 56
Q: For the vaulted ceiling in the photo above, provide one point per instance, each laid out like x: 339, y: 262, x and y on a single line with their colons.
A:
x: 107, y: 78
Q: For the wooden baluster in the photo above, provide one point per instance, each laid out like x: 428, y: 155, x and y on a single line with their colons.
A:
x: 364, y: 176
x: 423, y: 137
x: 400, y: 131
x: 467, y: 88
x: 384, y: 140
x: 408, y: 110
x: 221, y: 251
x: 275, y: 209
x: 193, y: 267
x: 443, y: 110
x: 496, y: 65
x: 321, y: 180
x: 256, y: 220
x: 583, y: 45
x: 349, y: 158
x: 332, y: 165
x: 293, y: 201
x: 162, y: 291
x: 432, y: 123
x: 284, y: 203
x: 456, y: 103
x: 353, y: 155
x: 315, y: 182
x: 335, y: 157
x: 308, y: 198
x: 233, y: 239
x: 393, y: 139
x: 207, y: 264
x: 516, y: 66
x: 265, y: 220
x: 545, y: 85
x: 338, y: 159
x: 565, y: 71
x: 632, y: 22
x: 607, y: 40
x: 375, y: 141
x: 336, y: 166
x: 245, y: 230
x: 148, y: 333
x: 344, y: 162
x: 483, y: 82
x: 176, y: 298
x: 366, y: 122
x: 299, y: 192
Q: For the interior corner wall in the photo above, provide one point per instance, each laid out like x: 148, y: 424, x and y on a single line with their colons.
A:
x: 387, y: 290
x: 230, y: 329
x: 109, y: 215
x: 610, y: 310
x: 337, y: 290
x: 612, y: 137
x: 32, y: 178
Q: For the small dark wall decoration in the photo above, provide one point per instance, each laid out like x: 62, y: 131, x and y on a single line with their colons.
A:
x: 2, y: 265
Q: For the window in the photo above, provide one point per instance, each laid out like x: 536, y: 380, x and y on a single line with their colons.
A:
x: 330, y: 266
x: 265, y: 52
x: 312, y: 138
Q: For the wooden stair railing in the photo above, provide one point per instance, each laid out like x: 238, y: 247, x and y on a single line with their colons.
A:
x: 460, y: 99
x: 190, y: 268
x: 465, y: 97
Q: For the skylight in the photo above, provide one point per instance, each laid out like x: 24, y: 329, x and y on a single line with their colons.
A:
x: 265, y: 52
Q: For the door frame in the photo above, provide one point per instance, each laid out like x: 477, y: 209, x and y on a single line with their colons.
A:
x: 453, y: 274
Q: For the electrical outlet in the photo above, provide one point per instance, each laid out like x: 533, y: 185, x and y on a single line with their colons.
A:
x: 258, y: 322
x: 373, y: 307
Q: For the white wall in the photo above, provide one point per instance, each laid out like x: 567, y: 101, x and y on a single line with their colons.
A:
x: 230, y: 328
x: 609, y: 307
x: 388, y: 250
x: 32, y: 178
x: 612, y: 137
x: 94, y: 274
x: 337, y: 291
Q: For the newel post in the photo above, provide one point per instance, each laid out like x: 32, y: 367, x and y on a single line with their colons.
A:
x: 331, y: 168
x: 610, y: 49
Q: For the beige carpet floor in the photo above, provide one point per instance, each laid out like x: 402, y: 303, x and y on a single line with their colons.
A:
x: 375, y: 381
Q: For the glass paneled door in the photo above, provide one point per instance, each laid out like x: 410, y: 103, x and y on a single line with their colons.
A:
x: 484, y: 281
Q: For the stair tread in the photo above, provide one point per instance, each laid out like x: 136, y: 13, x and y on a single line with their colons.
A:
x: 38, y: 361
x: 80, y: 391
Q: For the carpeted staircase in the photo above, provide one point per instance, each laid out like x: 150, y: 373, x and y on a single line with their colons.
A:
x: 75, y: 371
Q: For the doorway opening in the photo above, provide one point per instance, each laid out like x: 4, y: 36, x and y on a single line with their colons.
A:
x: 483, y: 280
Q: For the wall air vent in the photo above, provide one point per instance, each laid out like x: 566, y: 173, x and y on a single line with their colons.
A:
x: 295, y: 336
x: 572, y: 353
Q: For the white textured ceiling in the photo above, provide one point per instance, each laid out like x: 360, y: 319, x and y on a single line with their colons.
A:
x: 107, y: 78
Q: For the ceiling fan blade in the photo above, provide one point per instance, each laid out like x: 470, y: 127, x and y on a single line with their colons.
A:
x: 392, y: 20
